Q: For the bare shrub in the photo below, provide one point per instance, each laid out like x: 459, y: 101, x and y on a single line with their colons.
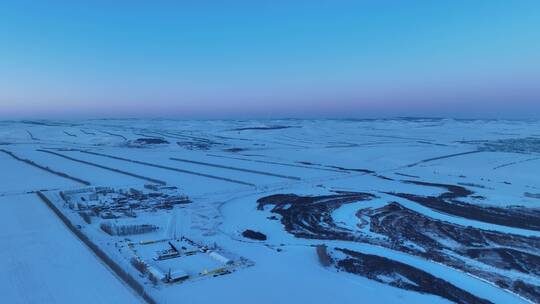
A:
x: 324, y: 258
x: 139, y: 265
x: 86, y: 217
x: 107, y: 228
x: 153, y: 278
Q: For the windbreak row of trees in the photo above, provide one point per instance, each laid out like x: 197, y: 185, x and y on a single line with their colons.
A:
x: 122, y: 230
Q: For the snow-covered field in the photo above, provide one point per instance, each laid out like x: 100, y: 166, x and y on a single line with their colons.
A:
x: 42, y: 262
x: 351, y: 211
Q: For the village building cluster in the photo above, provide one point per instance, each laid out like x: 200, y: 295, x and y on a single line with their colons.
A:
x: 110, y: 203
x: 140, y: 220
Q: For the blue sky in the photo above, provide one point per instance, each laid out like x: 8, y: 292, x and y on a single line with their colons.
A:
x: 242, y: 59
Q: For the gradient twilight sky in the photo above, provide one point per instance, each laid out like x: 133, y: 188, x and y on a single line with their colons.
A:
x: 262, y: 59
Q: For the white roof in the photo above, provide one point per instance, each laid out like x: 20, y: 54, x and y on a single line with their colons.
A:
x: 178, y: 273
x: 156, y: 272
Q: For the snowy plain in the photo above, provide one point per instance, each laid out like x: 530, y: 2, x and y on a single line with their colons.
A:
x: 474, y: 183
